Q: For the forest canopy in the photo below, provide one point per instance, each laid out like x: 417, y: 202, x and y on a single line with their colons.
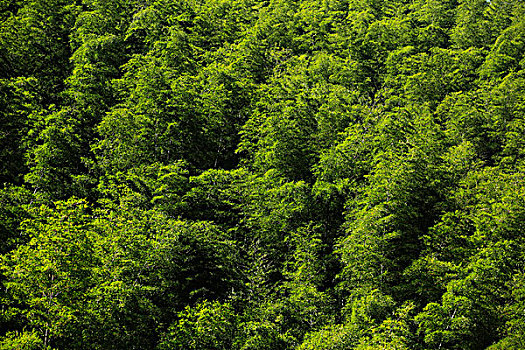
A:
x: 262, y: 174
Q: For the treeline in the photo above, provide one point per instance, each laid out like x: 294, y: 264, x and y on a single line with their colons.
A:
x: 250, y: 175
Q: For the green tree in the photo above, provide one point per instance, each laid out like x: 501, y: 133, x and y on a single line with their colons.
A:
x: 18, y: 108
x: 206, y: 326
x: 47, y: 277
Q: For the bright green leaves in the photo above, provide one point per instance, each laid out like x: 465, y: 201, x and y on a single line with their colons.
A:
x: 489, y: 119
x: 478, y: 22
x: 399, y: 200
x: 472, y: 28
x: 84, y: 271
x: 13, y: 210
x: 151, y: 268
x: 334, y: 337
x: 308, y: 306
x: 491, y: 248
x: 513, y: 330
x: 146, y: 187
x: 55, y: 156
x: 21, y: 340
x: 49, y: 275
x: 35, y: 44
x: 505, y: 55
x: 174, y: 106
x: 262, y: 175
x: 206, y: 326
x: 445, y: 325
x: 427, y: 78
x: 470, y: 312
x: 300, y: 112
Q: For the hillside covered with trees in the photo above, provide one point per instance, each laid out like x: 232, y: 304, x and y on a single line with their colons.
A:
x: 262, y: 174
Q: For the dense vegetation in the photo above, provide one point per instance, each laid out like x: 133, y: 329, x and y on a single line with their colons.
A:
x: 250, y: 175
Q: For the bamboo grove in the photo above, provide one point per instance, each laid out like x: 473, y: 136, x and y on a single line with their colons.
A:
x: 262, y: 174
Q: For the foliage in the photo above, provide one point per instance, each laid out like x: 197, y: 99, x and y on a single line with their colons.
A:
x: 246, y: 174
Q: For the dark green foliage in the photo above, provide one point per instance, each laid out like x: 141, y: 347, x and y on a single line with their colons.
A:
x: 248, y: 174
